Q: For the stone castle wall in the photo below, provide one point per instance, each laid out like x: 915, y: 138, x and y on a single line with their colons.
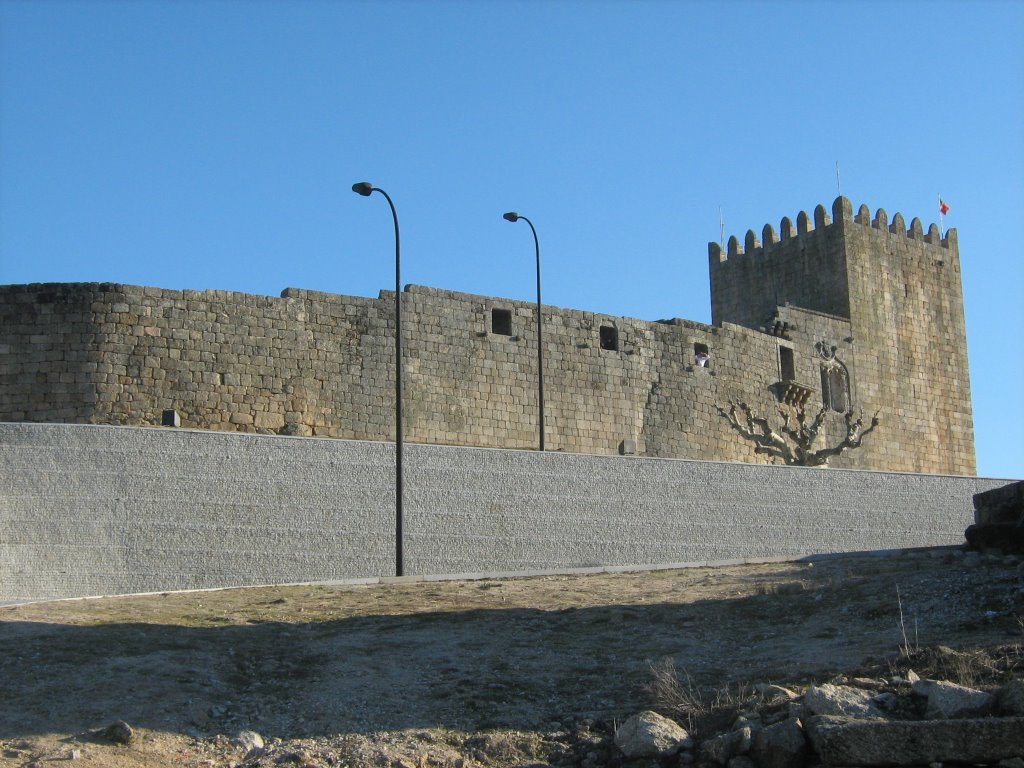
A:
x: 312, y: 363
x: 88, y: 510
x: 879, y: 306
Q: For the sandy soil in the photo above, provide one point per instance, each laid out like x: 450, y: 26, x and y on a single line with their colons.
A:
x: 459, y: 673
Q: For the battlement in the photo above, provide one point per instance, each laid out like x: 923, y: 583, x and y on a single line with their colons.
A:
x: 806, y: 226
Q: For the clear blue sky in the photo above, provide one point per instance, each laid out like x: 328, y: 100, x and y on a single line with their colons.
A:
x: 214, y: 144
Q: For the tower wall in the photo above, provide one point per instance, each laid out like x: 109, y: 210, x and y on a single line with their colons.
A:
x: 908, y: 325
x: 880, y: 300
x: 802, y: 264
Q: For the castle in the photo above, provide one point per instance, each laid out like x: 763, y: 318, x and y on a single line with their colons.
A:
x: 848, y: 310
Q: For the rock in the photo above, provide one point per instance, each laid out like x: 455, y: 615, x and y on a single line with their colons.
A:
x: 1010, y: 698
x: 118, y: 732
x: 648, y: 734
x: 949, y: 700
x: 782, y: 745
x: 753, y: 722
x: 861, y: 742
x: 1004, y: 537
x: 742, y: 761
x: 921, y: 687
x: 772, y: 692
x: 841, y: 701
x: 866, y: 682
x: 724, y: 748
x: 887, y: 700
x: 1012, y: 762
x: 250, y: 741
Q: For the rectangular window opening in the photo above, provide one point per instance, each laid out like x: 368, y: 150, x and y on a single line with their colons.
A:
x: 501, y: 321
x: 701, y: 354
x: 787, y: 368
x: 609, y: 338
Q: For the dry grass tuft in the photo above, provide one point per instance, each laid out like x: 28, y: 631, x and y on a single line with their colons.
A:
x: 670, y: 694
x: 700, y: 709
x: 972, y: 667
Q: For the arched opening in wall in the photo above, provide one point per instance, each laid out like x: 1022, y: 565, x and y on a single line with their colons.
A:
x: 835, y: 387
x: 501, y: 321
x: 701, y: 354
x: 609, y: 338
x: 787, y: 365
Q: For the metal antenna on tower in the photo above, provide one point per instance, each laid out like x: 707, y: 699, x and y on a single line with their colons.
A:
x: 721, y: 228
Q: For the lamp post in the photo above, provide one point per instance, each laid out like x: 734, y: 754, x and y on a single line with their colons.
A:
x: 513, y: 216
x: 365, y: 189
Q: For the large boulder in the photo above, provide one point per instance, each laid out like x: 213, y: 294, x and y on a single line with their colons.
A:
x: 850, y: 741
x: 1010, y: 698
x: 840, y: 701
x: 725, y: 747
x: 782, y: 745
x: 949, y: 700
x: 648, y: 734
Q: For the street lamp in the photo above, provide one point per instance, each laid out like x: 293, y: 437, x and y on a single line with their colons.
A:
x: 365, y: 189
x: 513, y: 216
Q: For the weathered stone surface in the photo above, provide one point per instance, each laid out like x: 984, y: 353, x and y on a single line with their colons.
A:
x: 840, y: 700
x: 1006, y: 537
x: 887, y: 700
x: 782, y: 745
x: 770, y: 691
x: 648, y: 734
x: 949, y: 700
x: 1000, y: 505
x: 118, y: 732
x: 721, y: 749
x: 269, y: 420
x: 751, y: 721
x: 250, y: 742
x: 857, y: 742
x: 1010, y: 699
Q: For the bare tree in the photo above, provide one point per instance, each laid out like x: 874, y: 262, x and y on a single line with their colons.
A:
x: 794, y: 440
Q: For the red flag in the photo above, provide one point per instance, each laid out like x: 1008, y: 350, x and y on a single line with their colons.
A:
x: 943, y: 207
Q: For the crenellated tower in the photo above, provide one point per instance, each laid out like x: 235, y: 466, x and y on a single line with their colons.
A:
x: 868, y: 315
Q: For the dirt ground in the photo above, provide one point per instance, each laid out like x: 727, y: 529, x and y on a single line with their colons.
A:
x: 461, y: 673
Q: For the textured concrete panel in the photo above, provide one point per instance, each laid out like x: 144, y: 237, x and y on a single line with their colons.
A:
x: 88, y: 510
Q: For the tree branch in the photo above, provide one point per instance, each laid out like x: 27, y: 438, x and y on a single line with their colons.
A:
x: 795, y: 444
x: 758, y: 431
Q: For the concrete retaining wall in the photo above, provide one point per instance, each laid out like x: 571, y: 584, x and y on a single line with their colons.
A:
x: 88, y: 510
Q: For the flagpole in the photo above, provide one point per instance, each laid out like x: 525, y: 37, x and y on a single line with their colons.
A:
x: 839, y: 189
x: 721, y: 228
x: 942, y: 218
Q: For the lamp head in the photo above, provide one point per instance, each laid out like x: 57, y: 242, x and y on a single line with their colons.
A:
x: 511, y: 216
x: 364, y: 188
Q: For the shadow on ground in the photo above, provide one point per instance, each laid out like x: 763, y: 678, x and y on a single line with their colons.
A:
x: 467, y: 669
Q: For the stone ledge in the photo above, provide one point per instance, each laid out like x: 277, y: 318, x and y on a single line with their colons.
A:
x: 852, y: 742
